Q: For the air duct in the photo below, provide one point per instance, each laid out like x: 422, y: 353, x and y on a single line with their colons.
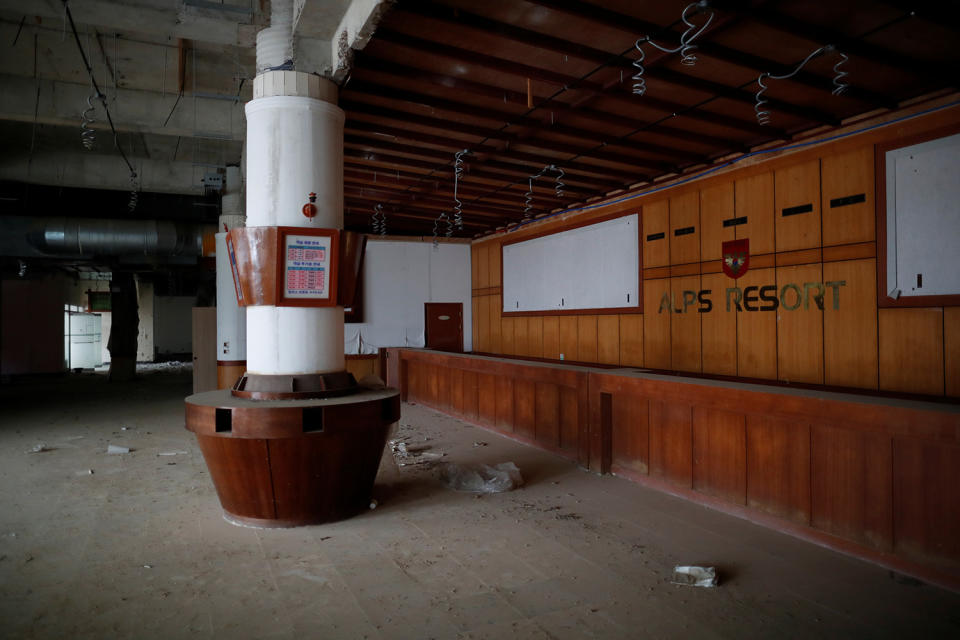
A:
x: 95, y: 236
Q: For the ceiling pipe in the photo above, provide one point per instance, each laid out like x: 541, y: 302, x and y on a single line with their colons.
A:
x: 107, y: 237
x: 275, y: 43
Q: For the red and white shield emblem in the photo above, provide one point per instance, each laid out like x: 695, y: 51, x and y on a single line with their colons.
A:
x: 736, y: 257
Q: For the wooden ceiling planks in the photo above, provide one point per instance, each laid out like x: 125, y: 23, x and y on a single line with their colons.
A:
x: 440, y: 76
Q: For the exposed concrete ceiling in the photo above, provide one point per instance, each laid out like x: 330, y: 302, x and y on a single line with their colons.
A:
x: 175, y: 73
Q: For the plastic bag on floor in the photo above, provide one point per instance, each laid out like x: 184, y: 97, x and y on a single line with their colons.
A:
x: 481, y: 478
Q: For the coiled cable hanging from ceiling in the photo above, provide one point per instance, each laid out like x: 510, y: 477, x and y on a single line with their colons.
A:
x: 839, y: 82
x: 88, y: 136
x: 558, y: 184
x: 686, y: 48
x: 379, y: 220
x: 442, y: 218
x: 134, y: 193
x: 457, y: 175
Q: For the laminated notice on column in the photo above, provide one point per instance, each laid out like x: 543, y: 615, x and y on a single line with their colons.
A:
x: 307, y: 270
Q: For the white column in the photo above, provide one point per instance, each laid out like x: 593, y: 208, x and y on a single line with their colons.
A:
x: 294, y: 148
x: 231, y: 317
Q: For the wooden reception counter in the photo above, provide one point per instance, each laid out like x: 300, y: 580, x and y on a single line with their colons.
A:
x: 872, y: 476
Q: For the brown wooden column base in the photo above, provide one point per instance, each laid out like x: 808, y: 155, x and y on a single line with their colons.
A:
x: 229, y: 371
x: 288, y: 463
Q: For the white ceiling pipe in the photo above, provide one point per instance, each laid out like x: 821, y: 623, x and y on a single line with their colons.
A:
x: 275, y: 43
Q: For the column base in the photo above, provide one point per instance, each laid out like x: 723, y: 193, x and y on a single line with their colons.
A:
x: 289, y: 463
x: 256, y: 386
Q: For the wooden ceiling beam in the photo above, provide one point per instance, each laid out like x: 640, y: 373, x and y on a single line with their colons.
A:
x: 638, y: 27
x: 501, y: 134
x: 495, y: 134
x: 574, y: 170
x: 520, y: 70
x: 528, y: 37
x: 432, y: 199
x: 448, y: 82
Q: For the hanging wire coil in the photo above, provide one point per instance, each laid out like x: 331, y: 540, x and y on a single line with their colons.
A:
x: 457, y: 175
x: 87, y: 134
x: 639, y: 83
x: 444, y: 219
x: 839, y: 82
x: 379, y: 220
x: 686, y: 48
x: 839, y: 75
x: 558, y: 185
x: 134, y: 193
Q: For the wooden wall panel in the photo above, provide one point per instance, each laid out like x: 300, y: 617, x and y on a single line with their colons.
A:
x: 800, y: 330
x: 926, y: 495
x: 471, y: 400
x: 483, y: 334
x: 475, y: 322
x: 494, y: 264
x: 685, y: 325
x: 444, y: 389
x: 754, y: 201
x: 487, y: 399
x: 671, y: 442
x: 535, y: 337
x: 569, y: 419
x: 551, y: 337
x: 850, y: 331
x: 631, y: 340
x: 568, y: 337
x: 483, y: 266
x: 911, y: 350
x: 548, y: 415
x: 630, y: 432
x: 797, y: 186
x: 778, y: 467
x: 524, y: 408
x: 844, y: 175
x: 494, y: 342
x: 504, y: 403
x: 951, y: 350
x: 656, y: 221
x: 718, y: 328
x: 587, y: 338
x: 608, y: 339
x: 656, y: 325
x: 756, y: 330
x: 851, y: 476
x: 685, y: 215
x: 456, y: 390
x: 716, y: 205
x: 719, y: 454
x: 521, y: 339
x: 431, y: 391
x: 507, y: 346
x: 474, y: 266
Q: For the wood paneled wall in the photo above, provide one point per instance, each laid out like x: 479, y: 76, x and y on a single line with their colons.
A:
x: 857, y: 345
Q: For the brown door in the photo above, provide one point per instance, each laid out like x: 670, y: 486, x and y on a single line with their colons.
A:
x: 444, y: 326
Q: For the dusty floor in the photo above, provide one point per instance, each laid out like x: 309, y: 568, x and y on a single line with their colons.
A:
x: 139, y: 548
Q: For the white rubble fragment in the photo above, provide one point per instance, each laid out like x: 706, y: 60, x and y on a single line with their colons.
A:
x: 695, y: 576
x: 117, y: 449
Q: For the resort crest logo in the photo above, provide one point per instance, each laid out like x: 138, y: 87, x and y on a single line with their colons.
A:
x: 736, y: 257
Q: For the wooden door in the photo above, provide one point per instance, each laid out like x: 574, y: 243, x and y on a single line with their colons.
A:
x: 204, y: 349
x: 444, y: 326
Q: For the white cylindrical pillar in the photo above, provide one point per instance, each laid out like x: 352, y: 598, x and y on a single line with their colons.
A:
x: 294, y: 148
x: 231, y: 317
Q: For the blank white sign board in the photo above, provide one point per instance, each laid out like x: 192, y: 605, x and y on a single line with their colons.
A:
x: 923, y: 218
x: 591, y: 267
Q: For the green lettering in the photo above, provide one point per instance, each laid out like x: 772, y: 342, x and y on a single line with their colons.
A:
x: 689, y: 297
x: 835, y: 285
x: 818, y: 298
x: 665, y: 302
x: 783, y: 297
x: 737, y: 297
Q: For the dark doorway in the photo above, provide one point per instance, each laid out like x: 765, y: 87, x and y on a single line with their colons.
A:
x: 444, y: 326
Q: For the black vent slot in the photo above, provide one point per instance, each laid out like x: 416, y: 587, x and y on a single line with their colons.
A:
x: 684, y: 231
x: 224, y: 420
x: 792, y: 211
x: 312, y: 419
x: 733, y: 222
x: 848, y: 200
x: 656, y: 236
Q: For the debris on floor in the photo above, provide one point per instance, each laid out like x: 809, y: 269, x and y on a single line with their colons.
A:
x: 479, y: 444
x: 88, y: 472
x: 374, y: 503
x: 406, y: 454
x: 481, y: 478
x: 173, y: 453
x: 695, y: 576
x: 117, y: 449
x: 40, y: 448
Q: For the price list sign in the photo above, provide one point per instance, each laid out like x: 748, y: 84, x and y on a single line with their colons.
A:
x: 307, y: 269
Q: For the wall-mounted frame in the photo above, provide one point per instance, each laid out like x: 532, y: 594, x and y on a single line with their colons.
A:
x: 632, y: 299
x: 285, y: 266
x: 887, y: 233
